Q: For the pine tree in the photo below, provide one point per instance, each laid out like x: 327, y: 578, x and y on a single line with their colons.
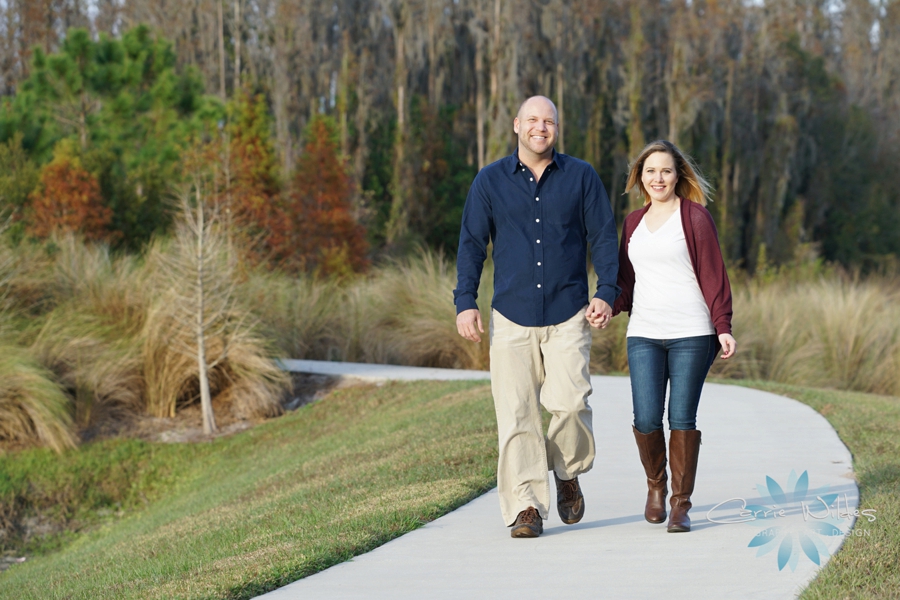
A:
x: 325, y: 237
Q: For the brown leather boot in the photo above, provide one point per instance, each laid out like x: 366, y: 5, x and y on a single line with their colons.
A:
x: 652, y: 448
x: 684, y: 448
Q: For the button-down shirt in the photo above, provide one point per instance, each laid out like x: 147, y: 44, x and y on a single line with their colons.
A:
x: 541, y: 231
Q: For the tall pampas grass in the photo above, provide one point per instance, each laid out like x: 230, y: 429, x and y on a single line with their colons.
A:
x: 32, y: 407
x: 836, y: 331
x: 303, y: 317
x: 414, y: 319
x: 244, y: 379
x: 100, y: 369
x: 822, y: 329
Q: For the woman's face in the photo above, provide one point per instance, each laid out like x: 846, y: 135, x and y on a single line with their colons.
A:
x: 659, y: 176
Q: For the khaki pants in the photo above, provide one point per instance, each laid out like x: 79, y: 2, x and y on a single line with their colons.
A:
x: 530, y: 367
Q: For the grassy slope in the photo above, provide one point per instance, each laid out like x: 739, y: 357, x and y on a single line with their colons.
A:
x: 298, y: 494
x: 287, y: 499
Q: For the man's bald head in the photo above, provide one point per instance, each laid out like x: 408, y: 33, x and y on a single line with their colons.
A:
x: 534, y: 104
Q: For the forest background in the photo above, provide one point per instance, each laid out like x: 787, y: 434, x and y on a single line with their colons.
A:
x: 334, y: 143
x: 791, y: 108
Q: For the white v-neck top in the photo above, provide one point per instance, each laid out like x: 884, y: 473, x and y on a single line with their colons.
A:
x: 667, y: 302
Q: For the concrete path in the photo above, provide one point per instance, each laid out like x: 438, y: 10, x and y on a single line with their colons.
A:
x: 766, y: 451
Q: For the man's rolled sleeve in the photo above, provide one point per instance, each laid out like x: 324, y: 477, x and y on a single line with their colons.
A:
x: 473, y: 241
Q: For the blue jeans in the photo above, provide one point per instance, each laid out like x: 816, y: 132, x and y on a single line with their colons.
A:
x: 682, y: 363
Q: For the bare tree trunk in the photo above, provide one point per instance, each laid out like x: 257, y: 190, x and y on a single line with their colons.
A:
x: 362, y: 118
x: 237, y: 45
x: 209, y: 419
x: 562, y: 54
x: 479, y: 100
x: 724, y: 198
x: 432, y: 57
x: 281, y: 96
x: 221, y: 49
x: 342, y: 92
x: 560, y: 106
x: 634, y: 77
x: 399, y: 218
x: 498, y: 128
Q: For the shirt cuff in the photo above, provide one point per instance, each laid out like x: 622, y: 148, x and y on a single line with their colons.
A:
x: 465, y: 302
x: 607, y: 293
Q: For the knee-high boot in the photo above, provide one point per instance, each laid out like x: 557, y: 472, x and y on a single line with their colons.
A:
x: 684, y: 448
x: 652, y: 448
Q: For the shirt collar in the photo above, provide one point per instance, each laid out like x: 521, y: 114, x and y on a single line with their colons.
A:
x: 513, y: 165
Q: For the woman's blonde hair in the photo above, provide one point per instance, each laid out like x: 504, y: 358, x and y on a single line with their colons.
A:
x: 691, y: 183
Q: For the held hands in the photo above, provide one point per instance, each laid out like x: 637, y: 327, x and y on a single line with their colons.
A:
x: 729, y: 345
x: 598, y: 313
x: 468, y: 324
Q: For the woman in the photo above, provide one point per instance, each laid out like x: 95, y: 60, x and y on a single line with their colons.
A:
x: 675, y: 288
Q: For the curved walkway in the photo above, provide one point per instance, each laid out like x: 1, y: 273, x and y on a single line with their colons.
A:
x: 756, y: 448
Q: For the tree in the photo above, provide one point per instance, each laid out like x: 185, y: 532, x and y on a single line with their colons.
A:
x: 251, y: 176
x: 199, y: 307
x: 130, y: 112
x: 19, y: 176
x: 325, y: 237
x: 68, y: 199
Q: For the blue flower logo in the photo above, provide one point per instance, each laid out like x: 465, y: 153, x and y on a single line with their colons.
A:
x: 793, y: 522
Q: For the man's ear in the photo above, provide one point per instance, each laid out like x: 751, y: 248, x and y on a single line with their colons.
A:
x: 516, y: 125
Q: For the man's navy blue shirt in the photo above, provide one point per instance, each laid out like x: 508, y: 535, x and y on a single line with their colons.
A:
x: 541, y: 231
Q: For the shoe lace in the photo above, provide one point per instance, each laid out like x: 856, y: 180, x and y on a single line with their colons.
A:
x: 529, y: 515
x: 569, y: 489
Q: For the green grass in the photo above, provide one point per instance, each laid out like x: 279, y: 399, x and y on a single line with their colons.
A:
x: 242, y: 515
x: 286, y: 499
x: 867, y: 566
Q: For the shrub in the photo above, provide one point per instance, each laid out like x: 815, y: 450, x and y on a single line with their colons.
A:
x: 68, y: 199
x: 32, y: 405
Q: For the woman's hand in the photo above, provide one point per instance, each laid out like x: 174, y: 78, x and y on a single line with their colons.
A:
x: 729, y: 345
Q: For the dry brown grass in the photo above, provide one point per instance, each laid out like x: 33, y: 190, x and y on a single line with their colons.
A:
x: 414, y: 319
x: 92, y: 325
x: 839, y: 332
x: 827, y: 329
x: 32, y: 407
x: 246, y: 378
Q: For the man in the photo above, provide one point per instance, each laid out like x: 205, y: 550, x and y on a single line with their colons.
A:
x: 541, y: 210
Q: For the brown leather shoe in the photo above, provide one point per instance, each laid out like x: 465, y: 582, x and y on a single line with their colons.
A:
x: 528, y: 524
x: 684, y: 449
x: 652, y: 448
x: 569, y: 500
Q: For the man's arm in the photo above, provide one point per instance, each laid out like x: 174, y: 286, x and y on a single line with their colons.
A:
x: 600, y: 228
x: 474, y: 235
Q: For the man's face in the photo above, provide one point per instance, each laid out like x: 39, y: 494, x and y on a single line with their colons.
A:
x: 537, y: 127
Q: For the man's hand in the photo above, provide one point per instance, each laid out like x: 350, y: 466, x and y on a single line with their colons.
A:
x: 598, y: 313
x: 468, y: 324
x: 729, y: 346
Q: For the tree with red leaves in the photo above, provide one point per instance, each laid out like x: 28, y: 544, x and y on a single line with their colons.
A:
x: 68, y: 199
x: 324, y: 238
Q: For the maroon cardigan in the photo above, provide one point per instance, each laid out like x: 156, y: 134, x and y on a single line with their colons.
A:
x: 706, y: 258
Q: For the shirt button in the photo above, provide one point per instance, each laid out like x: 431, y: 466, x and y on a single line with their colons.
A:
x: 539, y: 264
x: 539, y: 285
x: 531, y: 179
x: 537, y: 220
x: 537, y: 199
x: 539, y: 241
